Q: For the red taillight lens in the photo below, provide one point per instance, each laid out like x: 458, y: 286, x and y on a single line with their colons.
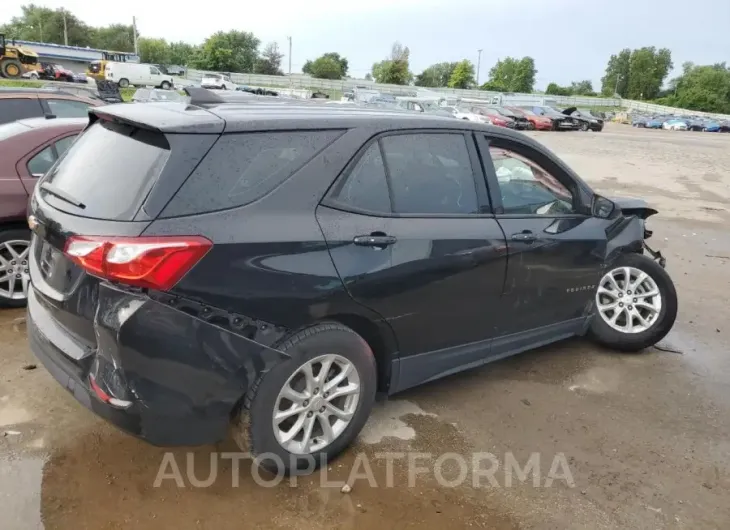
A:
x: 152, y: 262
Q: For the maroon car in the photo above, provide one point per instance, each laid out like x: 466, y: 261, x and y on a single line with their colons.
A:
x: 29, y: 147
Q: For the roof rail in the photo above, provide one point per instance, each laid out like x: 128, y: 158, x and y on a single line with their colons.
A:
x: 202, y: 96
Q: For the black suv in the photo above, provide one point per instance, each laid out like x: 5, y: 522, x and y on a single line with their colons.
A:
x: 194, y: 264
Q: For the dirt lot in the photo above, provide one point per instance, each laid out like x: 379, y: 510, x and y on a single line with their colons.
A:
x: 645, y: 438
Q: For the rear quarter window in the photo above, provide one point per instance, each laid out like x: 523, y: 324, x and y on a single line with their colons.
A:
x: 241, y: 168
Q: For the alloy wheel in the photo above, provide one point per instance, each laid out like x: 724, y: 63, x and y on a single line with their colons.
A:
x: 14, y: 275
x: 628, y: 300
x: 316, y: 404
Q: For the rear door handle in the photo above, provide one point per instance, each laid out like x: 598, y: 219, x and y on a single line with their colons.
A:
x: 526, y: 236
x: 374, y: 240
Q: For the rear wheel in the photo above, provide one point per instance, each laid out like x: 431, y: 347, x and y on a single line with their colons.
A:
x: 123, y: 83
x: 11, y: 68
x: 14, y: 277
x: 311, y: 407
x: 636, y: 304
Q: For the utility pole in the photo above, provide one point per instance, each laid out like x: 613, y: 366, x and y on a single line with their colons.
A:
x: 290, y: 79
x: 134, y: 34
x: 479, y: 63
x: 65, y: 27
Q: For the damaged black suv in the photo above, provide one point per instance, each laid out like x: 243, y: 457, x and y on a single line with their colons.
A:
x: 197, y: 263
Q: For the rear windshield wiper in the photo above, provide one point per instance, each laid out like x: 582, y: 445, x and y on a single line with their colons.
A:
x: 53, y: 190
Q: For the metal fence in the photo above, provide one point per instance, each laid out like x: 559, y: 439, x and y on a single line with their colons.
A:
x: 344, y: 85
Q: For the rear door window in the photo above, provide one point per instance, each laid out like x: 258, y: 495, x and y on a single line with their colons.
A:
x: 12, y: 109
x: 241, y: 168
x: 366, y: 187
x: 110, y: 169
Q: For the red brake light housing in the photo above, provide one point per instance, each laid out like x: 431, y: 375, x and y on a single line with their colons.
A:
x: 149, y: 262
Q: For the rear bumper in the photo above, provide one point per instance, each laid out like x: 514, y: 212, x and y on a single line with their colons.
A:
x: 183, y: 376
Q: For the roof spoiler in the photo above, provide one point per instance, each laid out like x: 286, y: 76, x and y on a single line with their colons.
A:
x: 202, y: 96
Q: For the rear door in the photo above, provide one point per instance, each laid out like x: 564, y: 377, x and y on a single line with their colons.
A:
x: 555, y: 247
x: 411, y: 234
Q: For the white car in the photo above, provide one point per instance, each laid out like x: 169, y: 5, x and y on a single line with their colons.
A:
x: 675, y: 125
x: 463, y: 114
x: 218, y: 82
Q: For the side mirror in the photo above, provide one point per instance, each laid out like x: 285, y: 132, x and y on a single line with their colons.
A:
x: 602, y: 207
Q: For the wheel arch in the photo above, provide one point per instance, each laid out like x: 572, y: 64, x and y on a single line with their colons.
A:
x: 381, y: 340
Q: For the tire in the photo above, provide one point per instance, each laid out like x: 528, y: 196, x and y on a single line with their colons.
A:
x: 11, y: 68
x: 603, y: 333
x: 123, y: 82
x: 584, y: 127
x: 255, y: 432
x: 13, y: 238
x: 165, y: 85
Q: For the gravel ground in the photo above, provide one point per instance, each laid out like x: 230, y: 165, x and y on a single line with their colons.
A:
x: 618, y: 441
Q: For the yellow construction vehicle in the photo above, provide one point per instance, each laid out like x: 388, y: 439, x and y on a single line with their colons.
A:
x: 16, y: 60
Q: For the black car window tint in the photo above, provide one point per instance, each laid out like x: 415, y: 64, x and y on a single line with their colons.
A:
x: 430, y: 174
x: 365, y: 187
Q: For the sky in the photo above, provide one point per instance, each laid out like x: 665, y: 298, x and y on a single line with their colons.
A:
x: 570, y: 40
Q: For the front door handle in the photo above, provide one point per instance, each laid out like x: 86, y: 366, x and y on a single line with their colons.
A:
x: 526, y: 236
x: 376, y: 239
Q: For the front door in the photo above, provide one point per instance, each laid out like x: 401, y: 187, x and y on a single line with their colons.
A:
x: 410, y: 234
x: 555, y: 251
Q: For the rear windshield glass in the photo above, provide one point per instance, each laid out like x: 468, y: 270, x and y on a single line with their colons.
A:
x: 110, y: 169
x: 241, y: 168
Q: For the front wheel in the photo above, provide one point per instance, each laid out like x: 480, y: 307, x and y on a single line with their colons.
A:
x: 636, y: 304
x: 309, y: 408
x: 584, y: 127
x: 123, y: 83
x: 165, y: 85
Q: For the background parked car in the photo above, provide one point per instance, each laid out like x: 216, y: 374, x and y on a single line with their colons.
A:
x: 495, y: 118
x: 675, y: 124
x: 56, y: 72
x: 218, y: 81
x: 561, y: 122
x: 174, y: 69
x: 21, y: 103
x: 521, y: 122
x: 539, y: 123
x: 655, y: 122
x: 29, y: 148
x: 588, y: 120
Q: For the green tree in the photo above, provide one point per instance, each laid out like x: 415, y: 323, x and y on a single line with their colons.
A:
x: 326, y: 68
x: 463, y: 75
x: 156, y: 51
x: 117, y: 37
x: 648, y: 68
x: 554, y: 89
x: 323, y: 68
x: 616, y: 79
x: 232, y: 51
x: 582, y: 88
x: 369, y: 76
x: 37, y: 23
x: 182, y: 53
x: 270, y: 61
x: 705, y: 88
x: 514, y: 75
x: 395, y: 69
x: 493, y: 86
x: 436, y: 75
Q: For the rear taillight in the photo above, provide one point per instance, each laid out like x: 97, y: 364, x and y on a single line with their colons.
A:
x: 152, y: 262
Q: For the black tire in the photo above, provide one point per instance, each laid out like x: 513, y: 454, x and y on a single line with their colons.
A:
x: 254, y: 430
x: 11, y: 68
x: 123, y: 82
x: 584, y: 127
x: 165, y: 85
x: 11, y: 235
x: 604, y: 334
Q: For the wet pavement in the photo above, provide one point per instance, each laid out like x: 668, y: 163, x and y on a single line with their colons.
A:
x: 644, y: 438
